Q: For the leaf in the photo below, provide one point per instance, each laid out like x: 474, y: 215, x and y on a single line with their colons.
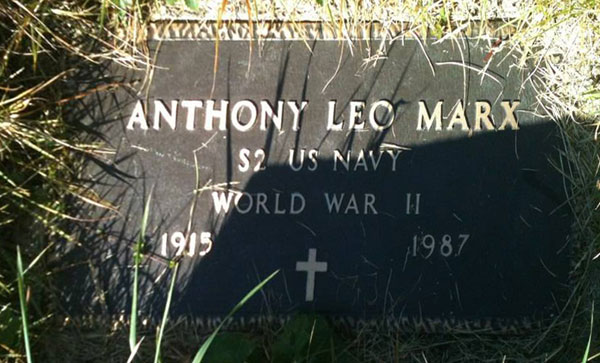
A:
x: 202, y: 351
x: 192, y: 4
x: 137, y: 259
x: 309, y: 338
x: 102, y: 16
x: 171, y: 2
x: 9, y: 327
x: 320, y: 2
x: 592, y: 95
x: 443, y: 16
x: 23, y: 303
x: 134, y: 351
x: 437, y: 31
x: 231, y: 348
x: 124, y: 7
x: 165, y: 318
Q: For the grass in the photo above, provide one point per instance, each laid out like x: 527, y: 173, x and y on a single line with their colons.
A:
x: 137, y: 260
x: 586, y: 354
x: 41, y: 153
x: 23, y: 305
x: 204, y: 347
x: 42, y: 44
x: 163, y: 323
x: 134, y: 344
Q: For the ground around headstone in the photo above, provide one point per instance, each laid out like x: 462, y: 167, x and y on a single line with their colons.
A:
x: 417, y: 190
x: 484, y: 286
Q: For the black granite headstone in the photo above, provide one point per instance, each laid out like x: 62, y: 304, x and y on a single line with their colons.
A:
x: 416, y: 189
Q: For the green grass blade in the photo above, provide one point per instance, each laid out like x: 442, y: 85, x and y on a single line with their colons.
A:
x: 134, y: 351
x: 103, y: 8
x: 165, y: 314
x: 136, y: 267
x: 202, y: 351
x: 589, y: 343
x: 134, y: 298
x: 21, y: 288
x: 192, y: 4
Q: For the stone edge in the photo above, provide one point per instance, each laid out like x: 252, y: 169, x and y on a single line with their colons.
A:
x: 277, y: 30
x: 493, y: 326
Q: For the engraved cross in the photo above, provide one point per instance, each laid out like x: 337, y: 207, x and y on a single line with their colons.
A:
x: 311, y: 267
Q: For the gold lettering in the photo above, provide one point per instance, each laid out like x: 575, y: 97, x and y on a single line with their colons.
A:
x: 425, y: 117
x: 138, y: 117
x: 509, y: 115
x: 458, y: 117
x: 211, y: 114
x: 170, y: 116
x: 482, y: 114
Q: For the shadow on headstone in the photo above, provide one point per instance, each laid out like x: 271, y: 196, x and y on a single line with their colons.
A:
x: 469, y: 227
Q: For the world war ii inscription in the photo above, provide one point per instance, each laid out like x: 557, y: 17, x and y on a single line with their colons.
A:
x: 415, y: 186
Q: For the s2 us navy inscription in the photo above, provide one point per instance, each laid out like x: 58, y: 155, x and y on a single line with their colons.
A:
x: 415, y: 188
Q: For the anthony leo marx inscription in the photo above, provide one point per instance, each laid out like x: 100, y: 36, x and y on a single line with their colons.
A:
x: 263, y: 116
x: 410, y: 188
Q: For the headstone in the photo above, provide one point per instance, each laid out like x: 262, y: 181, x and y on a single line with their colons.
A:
x: 415, y: 187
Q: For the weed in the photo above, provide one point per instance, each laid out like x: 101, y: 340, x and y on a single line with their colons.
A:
x: 204, y: 347
x: 137, y: 260
x: 163, y: 323
x: 42, y: 45
x: 23, y: 304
